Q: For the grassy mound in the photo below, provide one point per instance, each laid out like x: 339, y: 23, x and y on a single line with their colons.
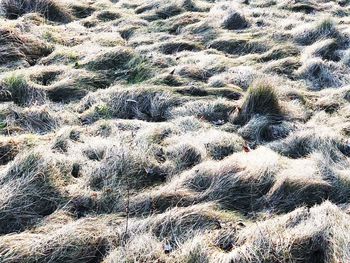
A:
x: 8, y: 151
x: 140, y: 103
x: 124, y: 168
x: 262, y: 100
x: 261, y: 241
x: 51, y: 9
x: 174, y: 131
x: 28, y: 192
x: 261, y: 129
x: 238, y: 46
x: 120, y: 63
x: 20, y: 92
x: 322, y: 74
x: 38, y: 119
x: 68, y: 241
x: 15, y: 46
x: 214, y: 111
x: 234, y: 21
x: 301, y: 144
x: 309, y: 35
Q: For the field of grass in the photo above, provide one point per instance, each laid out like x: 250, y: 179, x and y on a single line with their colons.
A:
x: 174, y: 131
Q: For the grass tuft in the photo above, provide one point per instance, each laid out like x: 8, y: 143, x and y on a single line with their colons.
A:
x: 235, y: 21
x: 174, y: 131
x: 28, y: 192
x: 261, y: 99
x: 322, y: 30
x: 50, y: 9
x: 21, y: 93
x: 15, y: 46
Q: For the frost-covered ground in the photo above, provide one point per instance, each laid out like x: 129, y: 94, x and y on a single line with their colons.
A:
x: 174, y: 131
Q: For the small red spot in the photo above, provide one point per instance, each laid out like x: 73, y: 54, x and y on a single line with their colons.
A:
x: 246, y: 147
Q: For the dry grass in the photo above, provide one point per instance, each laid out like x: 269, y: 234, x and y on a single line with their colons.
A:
x: 17, y: 47
x: 174, y: 131
x: 51, y: 9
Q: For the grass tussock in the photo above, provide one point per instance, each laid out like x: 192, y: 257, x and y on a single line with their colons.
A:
x: 322, y: 74
x: 260, y: 129
x: 262, y: 100
x: 301, y: 144
x: 68, y: 241
x: 20, y: 92
x: 285, y: 67
x: 164, y: 10
x: 309, y: 35
x: 15, y: 47
x: 120, y: 63
x: 39, y: 119
x: 184, y: 155
x: 239, y: 46
x: 217, y: 111
x: 279, y: 52
x: 307, y: 7
x: 123, y: 167
x: 302, y: 227
x: 107, y: 15
x: 28, y: 192
x: 52, y: 10
x: 174, y: 131
x: 8, y: 151
x: 174, y: 47
x: 50, y: 84
x: 139, y: 103
x: 81, y: 10
x: 235, y: 21
x: 111, y: 59
x: 74, y: 86
x: 327, y: 49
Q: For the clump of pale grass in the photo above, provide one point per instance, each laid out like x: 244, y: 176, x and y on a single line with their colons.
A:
x: 302, y: 228
x: 306, y: 35
x: 261, y: 99
x: 211, y: 143
x: 120, y: 63
x: 327, y: 49
x: 144, y: 247
x: 234, y: 21
x: 172, y: 226
x: 126, y: 167
x: 239, y: 46
x: 86, y: 240
x: 159, y: 10
x: 8, y: 150
x: 172, y: 47
x: 285, y: 67
x: 237, y: 182
x: 279, y: 52
x: 35, y: 119
x: 15, y: 46
x: 184, y: 155
x: 302, y: 143
x: 322, y: 74
x: 135, y: 103
x: 217, y: 110
x: 21, y: 92
x: 262, y: 128
x: 28, y: 192
x: 107, y: 15
x: 51, y: 9
x: 307, y: 7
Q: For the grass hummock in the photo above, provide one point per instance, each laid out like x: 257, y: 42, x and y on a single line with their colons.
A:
x: 174, y: 131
